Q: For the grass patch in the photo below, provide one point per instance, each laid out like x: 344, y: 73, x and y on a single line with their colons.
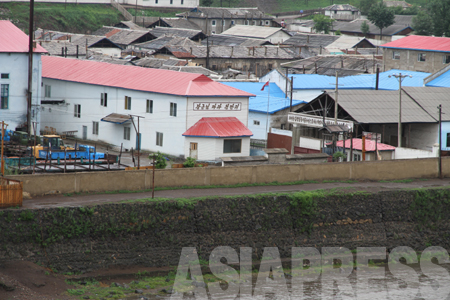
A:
x: 340, y: 181
x: 397, y: 181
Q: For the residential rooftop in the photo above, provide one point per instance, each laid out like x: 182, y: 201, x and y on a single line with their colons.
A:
x: 422, y: 43
x: 12, y: 39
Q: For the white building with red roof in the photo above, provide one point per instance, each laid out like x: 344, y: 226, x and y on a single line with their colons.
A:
x: 183, y: 114
x: 417, y: 53
x: 14, y: 77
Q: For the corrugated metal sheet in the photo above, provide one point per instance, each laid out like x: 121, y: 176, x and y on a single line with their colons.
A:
x: 218, y: 127
x: 441, y: 81
x: 370, y: 145
x: 116, y: 118
x: 430, y: 98
x: 135, y: 78
x: 277, y: 100
x: 381, y: 107
x: 12, y: 39
x: 423, y: 43
x: 363, y: 81
x: 261, y: 32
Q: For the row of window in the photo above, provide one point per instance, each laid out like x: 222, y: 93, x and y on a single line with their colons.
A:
x: 171, y: 2
x: 246, y: 22
x: 421, y: 57
x: 4, y: 96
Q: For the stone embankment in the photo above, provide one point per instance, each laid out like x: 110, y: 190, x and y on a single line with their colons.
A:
x: 152, y: 233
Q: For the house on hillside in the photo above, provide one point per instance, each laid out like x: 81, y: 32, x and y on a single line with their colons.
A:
x: 274, y: 35
x: 125, y: 38
x: 314, y: 43
x: 419, y: 53
x: 194, y: 35
x: 215, y: 20
x: 101, y: 102
x: 174, y: 23
x: 14, y: 56
x: 342, y: 12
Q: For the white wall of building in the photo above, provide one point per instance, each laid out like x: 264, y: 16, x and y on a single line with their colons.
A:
x: 278, y: 37
x: 245, y: 150
x: 259, y: 131
x: 408, y: 153
x: 115, y: 52
x: 16, y: 65
x: 150, y: 3
x: 210, y: 149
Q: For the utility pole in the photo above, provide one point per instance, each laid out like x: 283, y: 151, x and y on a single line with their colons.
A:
x: 400, y: 78
x: 138, y: 135
x: 3, y: 138
x: 30, y: 66
x: 292, y: 89
x: 336, y: 92
x: 440, y: 140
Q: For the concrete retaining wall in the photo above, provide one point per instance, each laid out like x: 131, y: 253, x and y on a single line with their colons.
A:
x: 139, y: 180
x: 152, y: 233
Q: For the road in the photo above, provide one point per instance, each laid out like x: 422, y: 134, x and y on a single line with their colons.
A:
x: 92, y: 199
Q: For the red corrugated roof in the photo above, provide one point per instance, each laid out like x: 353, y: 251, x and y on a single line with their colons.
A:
x: 370, y: 145
x: 12, y: 39
x: 135, y: 78
x: 418, y: 42
x: 218, y: 127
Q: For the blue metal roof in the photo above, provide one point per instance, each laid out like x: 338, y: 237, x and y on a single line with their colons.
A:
x: 277, y: 99
x: 441, y: 81
x: 363, y: 81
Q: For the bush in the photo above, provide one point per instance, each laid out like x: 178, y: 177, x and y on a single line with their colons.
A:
x: 189, y: 163
x: 160, y: 160
x: 338, y: 155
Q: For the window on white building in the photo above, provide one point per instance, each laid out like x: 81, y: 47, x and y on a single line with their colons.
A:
x: 233, y: 22
x: 94, y: 127
x: 213, y: 22
x: 159, y: 139
x: 446, y: 59
x: 104, y: 99
x: 4, y: 95
x: 48, y: 91
x: 283, y: 126
x: 149, y: 106
x: 173, y: 109
x: 232, y: 146
x: 156, y: 1
x: 77, y: 110
x: 254, y: 22
x: 5, y: 76
x: 223, y: 22
x: 356, y: 157
x: 127, y: 103
x: 395, y: 54
x: 182, y: 2
x: 422, y: 57
x: 255, y: 122
x: 267, y: 23
x: 246, y: 22
x: 126, y: 133
x: 171, y: 1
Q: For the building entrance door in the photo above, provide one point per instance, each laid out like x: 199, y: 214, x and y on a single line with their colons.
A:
x: 193, y: 151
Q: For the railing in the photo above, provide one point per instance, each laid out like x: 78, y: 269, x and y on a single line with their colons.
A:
x: 11, y: 193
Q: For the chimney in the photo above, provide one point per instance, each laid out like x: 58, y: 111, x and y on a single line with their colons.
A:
x: 265, y: 51
x: 191, y: 50
x: 253, y: 51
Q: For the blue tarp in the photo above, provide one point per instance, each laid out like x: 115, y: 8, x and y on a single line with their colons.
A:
x: 277, y: 99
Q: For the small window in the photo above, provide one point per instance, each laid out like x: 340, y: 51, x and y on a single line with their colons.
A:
x: 267, y: 23
x: 214, y: 67
x: 156, y: 1
x: 173, y: 109
x: 213, y: 22
x: 422, y: 57
x: 246, y: 22
x: 127, y: 103
x: 232, y: 146
x: 448, y: 140
x: 223, y: 22
x: 254, y: 22
x: 171, y: 1
x: 356, y: 157
x: 283, y: 126
x: 270, y: 66
x: 149, y: 106
x: 4, y: 95
x: 446, y: 59
x: 395, y: 54
x: 159, y: 139
x: 104, y: 99
x: 233, y: 22
x: 77, y: 110
x: 5, y: 76
x: 126, y: 133
x: 95, y: 128
x: 182, y: 2
x: 255, y: 122
x: 48, y: 91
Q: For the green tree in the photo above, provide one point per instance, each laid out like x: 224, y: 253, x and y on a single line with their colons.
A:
x: 365, y: 28
x: 206, y: 2
x: 381, y: 16
x: 421, y: 23
x: 438, y: 11
x: 364, y: 6
x: 322, y: 23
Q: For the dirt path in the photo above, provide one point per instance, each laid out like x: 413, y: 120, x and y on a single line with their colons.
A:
x: 370, y: 186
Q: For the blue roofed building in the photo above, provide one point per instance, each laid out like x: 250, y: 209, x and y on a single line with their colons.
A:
x: 273, y: 106
x: 439, y: 79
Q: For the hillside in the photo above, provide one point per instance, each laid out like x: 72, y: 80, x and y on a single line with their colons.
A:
x: 77, y: 18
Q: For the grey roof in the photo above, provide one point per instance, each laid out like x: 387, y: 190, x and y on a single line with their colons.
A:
x: 261, y: 32
x: 430, y: 98
x: 345, y: 65
x: 314, y: 40
x: 123, y: 37
x: 188, y: 33
x: 175, y: 23
x: 129, y: 25
x: 227, y: 40
x: 348, y: 41
x: 164, y: 41
x: 54, y: 48
x: 190, y: 69
x: 263, y: 52
x: 226, y: 13
x: 94, y: 41
x: 341, y: 7
x: 111, y: 60
x: 355, y: 26
x: 381, y: 107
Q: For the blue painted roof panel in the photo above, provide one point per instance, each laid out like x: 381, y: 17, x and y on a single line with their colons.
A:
x: 441, y: 81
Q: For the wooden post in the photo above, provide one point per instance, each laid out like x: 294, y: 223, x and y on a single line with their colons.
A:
x: 120, y: 153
